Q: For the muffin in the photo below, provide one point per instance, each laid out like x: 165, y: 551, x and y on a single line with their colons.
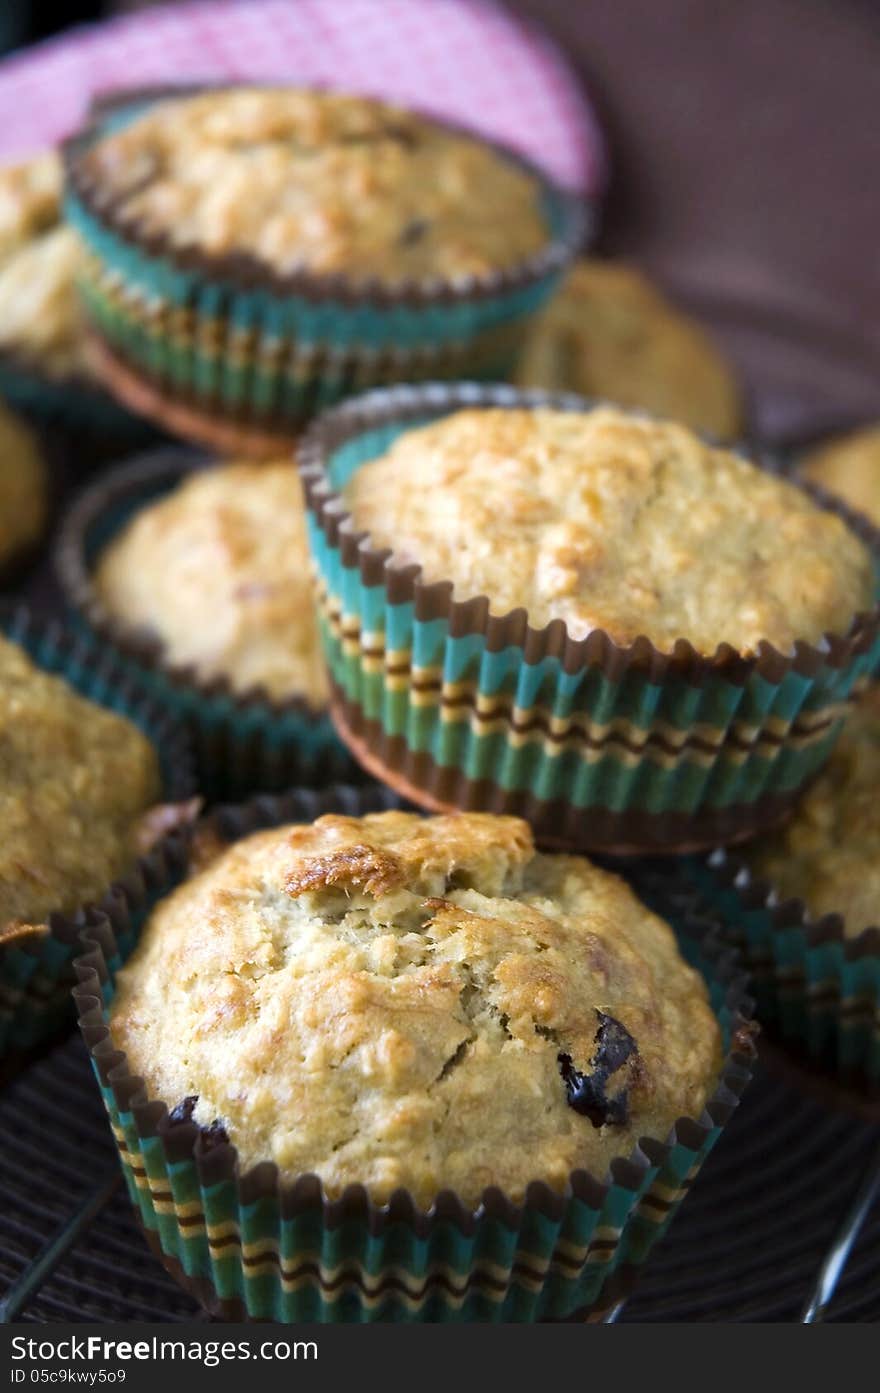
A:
x: 199, y: 575
x: 595, y: 620
x: 420, y: 1024
x: 217, y: 570
x: 606, y: 521
x: 90, y: 788
x: 24, y: 490
x: 608, y: 333
x: 44, y: 368
x: 849, y: 468
x: 803, y: 905
x: 255, y: 253
x: 829, y: 853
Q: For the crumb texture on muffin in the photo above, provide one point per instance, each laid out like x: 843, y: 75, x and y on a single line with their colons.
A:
x: 218, y: 571
x: 609, y: 333
x: 23, y: 487
x: 319, y: 181
x: 850, y: 468
x: 77, y: 794
x: 40, y: 319
x: 828, y: 855
x: 611, y: 522
x: 417, y: 1002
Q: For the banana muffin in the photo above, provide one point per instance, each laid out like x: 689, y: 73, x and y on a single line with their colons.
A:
x: 318, y: 181
x: 609, y: 333
x: 217, y: 570
x: 24, y: 501
x: 420, y: 1003
x: 79, y: 796
x: 828, y: 855
x: 611, y: 522
x: 40, y: 321
x: 850, y: 468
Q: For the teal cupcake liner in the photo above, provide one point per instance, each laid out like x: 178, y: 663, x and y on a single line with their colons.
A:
x: 36, y: 972
x: 601, y: 747
x: 244, y: 742
x: 227, y: 338
x: 250, y: 1247
x: 816, y: 989
x: 75, y: 408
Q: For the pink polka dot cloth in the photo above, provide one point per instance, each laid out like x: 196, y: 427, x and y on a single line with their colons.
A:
x: 466, y: 60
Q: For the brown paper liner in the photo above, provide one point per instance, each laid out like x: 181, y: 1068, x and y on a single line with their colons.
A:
x: 134, y: 390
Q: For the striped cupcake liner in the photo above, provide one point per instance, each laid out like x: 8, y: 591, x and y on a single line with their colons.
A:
x: 229, y: 340
x: 251, y: 1247
x: 816, y: 989
x: 36, y: 972
x: 244, y: 742
x: 601, y: 747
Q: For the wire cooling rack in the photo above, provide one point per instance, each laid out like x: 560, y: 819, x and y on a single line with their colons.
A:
x: 781, y: 1224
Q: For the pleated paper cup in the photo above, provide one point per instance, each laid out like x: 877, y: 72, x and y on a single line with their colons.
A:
x: 244, y: 742
x: 816, y: 987
x: 228, y: 352
x: 250, y: 1246
x: 602, y: 747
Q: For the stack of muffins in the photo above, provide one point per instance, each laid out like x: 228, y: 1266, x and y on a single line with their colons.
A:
x: 363, y: 1063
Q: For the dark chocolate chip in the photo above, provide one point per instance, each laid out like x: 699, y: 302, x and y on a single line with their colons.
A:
x: 585, y: 1092
x: 184, y: 1111
x: 215, y: 1135
x: 414, y: 231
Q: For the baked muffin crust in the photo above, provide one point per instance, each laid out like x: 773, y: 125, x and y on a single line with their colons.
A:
x: 850, y: 468
x: 612, y: 522
x: 398, y: 1001
x: 23, y: 487
x: 78, y: 795
x: 609, y: 333
x: 829, y: 853
x: 40, y: 320
x: 218, y: 570
x: 320, y: 181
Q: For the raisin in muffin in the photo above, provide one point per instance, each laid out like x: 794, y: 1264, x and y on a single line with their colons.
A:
x: 217, y: 570
x: 79, y: 796
x: 850, y: 468
x: 24, y: 502
x: 829, y: 853
x: 318, y: 181
x: 40, y: 321
x: 609, y: 333
x: 612, y: 522
x: 425, y: 1003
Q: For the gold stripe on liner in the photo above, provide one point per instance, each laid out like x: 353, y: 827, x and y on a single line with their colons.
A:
x: 738, y: 742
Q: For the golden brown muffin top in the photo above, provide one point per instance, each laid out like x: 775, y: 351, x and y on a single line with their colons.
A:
x: 77, y: 789
x: 218, y: 570
x: 398, y: 1001
x: 829, y: 853
x: 40, y: 318
x: 319, y: 181
x: 609, y: 333
x: 850, y: 468
x: 611, y: 522
x: 23, y: 487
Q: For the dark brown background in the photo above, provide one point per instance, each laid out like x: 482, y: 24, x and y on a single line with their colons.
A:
x: 745, y: 141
